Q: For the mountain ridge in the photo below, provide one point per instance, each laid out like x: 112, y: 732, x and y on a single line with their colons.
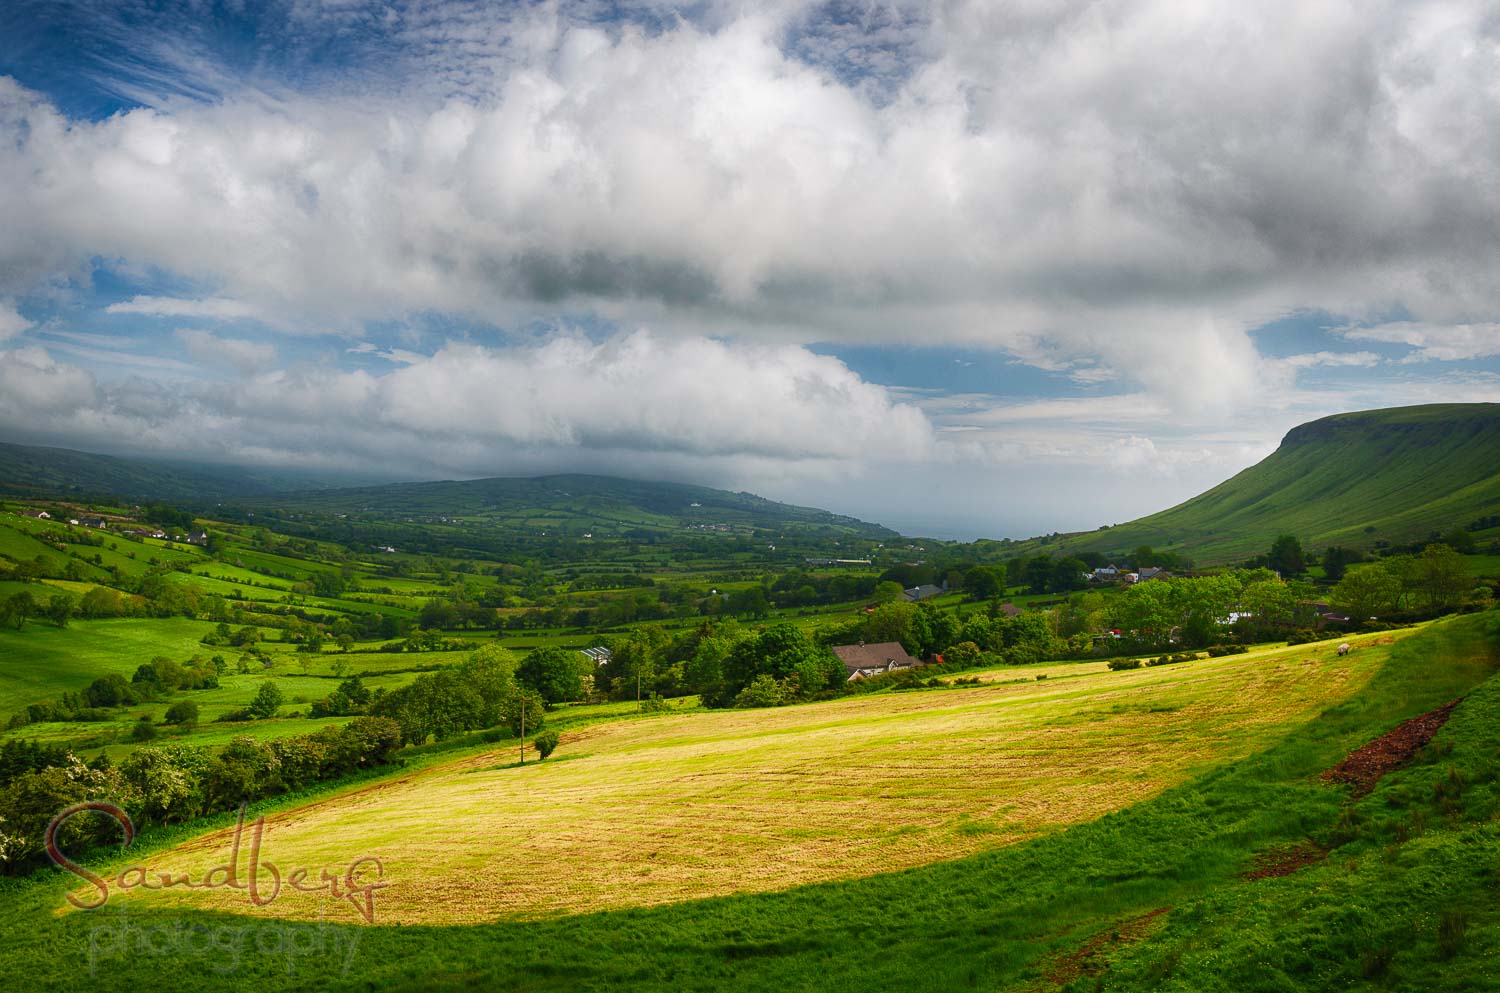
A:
x: 1391, y: 474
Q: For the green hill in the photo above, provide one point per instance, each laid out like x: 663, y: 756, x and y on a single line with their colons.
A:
x: 573, y: 504
x: 558, y: 505
x: 1352, y: 479
x: 31, y: 471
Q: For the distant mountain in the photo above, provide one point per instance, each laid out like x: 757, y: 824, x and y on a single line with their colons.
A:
x: 569, y: 504
x: 1395, y: 474
x: 565, y: 504
x: 27, y: 470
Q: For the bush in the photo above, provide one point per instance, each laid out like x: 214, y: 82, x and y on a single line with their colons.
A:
x: 546, y: 743
x: 1219, y: 651
x: 1121, y: 664
x: 763, y: 691
x: 1303, y: 637
x: 654, y: 704
x: 110, y: 691
x: 144, y: 730
x: 182, y: 712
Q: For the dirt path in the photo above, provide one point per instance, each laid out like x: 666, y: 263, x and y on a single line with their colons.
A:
x: 1365, y: 765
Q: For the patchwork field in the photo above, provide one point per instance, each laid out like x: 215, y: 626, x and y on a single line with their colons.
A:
x: 656, y: 811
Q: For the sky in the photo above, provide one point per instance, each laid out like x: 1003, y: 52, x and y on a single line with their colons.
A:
x: 963, y: 268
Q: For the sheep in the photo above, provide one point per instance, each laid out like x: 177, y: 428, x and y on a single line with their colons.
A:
x: 1344, y: 648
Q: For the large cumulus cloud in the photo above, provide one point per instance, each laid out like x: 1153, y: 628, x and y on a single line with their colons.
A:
x: 634, y: 399
x: 1122, y: 183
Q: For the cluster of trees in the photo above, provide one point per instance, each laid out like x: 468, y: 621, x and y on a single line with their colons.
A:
x: 482, y: 692
x: 1196, y: 611
x: 58, y: 607
x: 1435, y: 580
x: 175, y: 783
x: 778, y: 665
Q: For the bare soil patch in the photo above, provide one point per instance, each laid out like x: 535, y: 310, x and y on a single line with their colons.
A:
x: 1092, y: 957
x: 1284, y: 860
x: 1364, y: 766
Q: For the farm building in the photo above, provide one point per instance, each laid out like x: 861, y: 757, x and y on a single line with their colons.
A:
x: 925, y: 592
x: 861, y: 661
x: 599, y: 654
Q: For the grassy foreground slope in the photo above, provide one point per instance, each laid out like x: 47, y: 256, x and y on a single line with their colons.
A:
x: 687, y: 806
x: 1395, y: 474
x: 1408, y: 863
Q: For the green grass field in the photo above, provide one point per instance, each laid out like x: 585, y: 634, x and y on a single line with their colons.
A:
x: 750, y: 801
x: 41, y: 661
x: 1151, y: 896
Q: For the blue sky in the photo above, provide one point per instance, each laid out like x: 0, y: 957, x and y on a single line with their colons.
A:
x: 962, y: 269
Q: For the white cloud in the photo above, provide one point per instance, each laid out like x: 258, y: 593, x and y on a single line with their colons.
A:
x: 11, y: 321
x: 1442, y: 343
x: 246, y: 356
x: 216, y: 308
x: 1309, y: 360
x: 1111, y: 191
x: 1091, y: 185
x: 633, y: 399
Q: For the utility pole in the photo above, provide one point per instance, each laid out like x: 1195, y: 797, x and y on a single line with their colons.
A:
x: 523, y: 730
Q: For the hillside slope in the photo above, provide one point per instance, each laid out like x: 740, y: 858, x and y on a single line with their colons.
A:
x: 572, y: 503
x: 559, y: 504
x: 1395, y: 474
x: 32, y: 471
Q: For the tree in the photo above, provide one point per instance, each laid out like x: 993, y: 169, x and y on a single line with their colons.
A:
x: 1461, y: 541
x: 438, y: 615
x: 888, y: 591
x: 267, y: 699
x: 1368, y: 592
x: 965, y: 654
x: 546, y: 743
x: 18, y: 608
x: 1286, y: 556
x: 61, y: 608
x: 101, y: 601
x: 552, y: 673
x: 1039, y: 574
x: 983, y: 583
x: 1336, y: 562
x: 1068, y: 575
x: 750, y: 602
x: 110, y: 691
x: 1443, y: 578
x: 787, y: 656
x: 525, y: 711
x: 892, y: 622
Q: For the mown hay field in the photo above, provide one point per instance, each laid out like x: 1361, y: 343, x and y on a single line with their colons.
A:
x: 655, y: 811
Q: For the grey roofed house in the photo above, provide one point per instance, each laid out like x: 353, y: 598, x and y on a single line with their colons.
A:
x: 598, y: 653
x: 1154, y: 573
x: 861, y: 661
x: 925, y: 592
